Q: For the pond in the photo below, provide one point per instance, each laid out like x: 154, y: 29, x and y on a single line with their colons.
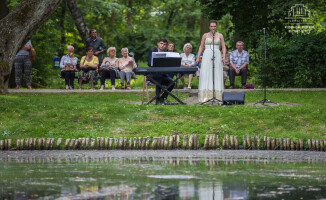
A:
x: 160, y: 175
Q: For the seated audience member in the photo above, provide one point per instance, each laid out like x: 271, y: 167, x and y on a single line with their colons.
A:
x: 88, y: 66
x: 108, y: 68
x: 68, y: 65
x: 239, y: 59
x: 171, y: 49
x: 126, y: 64
x: 187, y: 60
x: 227, y: 64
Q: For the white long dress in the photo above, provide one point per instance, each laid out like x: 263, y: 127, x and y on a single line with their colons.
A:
x: 205, y: 89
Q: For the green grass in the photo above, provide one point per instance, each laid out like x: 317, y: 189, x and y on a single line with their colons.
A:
x: 110, y: 114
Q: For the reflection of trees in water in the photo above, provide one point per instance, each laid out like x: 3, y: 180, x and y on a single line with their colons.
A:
x: 166, y: 192
x: 138, y: 178
x: 175, y: 161
x: 202, y: 190
x: 97, y: 191
x: 236, y: 190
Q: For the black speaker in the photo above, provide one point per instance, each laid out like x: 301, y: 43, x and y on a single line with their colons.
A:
x: 231, y: 98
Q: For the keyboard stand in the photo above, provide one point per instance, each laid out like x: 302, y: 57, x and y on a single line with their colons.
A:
x: 145, y: 86
x: 165, y: 89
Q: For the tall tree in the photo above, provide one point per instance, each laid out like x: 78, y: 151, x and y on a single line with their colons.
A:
x: 79, y: 19
x: 129, y: 13
x: 62, y: 26
x: 249, y: 17
x: 17, y: 27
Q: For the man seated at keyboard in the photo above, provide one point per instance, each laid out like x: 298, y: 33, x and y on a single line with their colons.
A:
x: 162, y: 79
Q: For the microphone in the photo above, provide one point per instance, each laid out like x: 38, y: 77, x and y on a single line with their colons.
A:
x: 213, y: 33
x: 264, y: 30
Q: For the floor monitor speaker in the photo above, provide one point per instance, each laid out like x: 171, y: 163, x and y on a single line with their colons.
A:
x: 233, y: 98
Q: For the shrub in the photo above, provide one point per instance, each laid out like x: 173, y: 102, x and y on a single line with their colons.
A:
x: 298, y: 61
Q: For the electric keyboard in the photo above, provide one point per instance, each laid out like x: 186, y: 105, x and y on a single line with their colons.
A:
x: 165, y: 70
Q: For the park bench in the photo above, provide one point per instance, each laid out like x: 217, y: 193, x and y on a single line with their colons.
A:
x: 100, y: 74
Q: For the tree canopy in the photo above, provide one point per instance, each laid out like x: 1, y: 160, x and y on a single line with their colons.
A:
x: 249, y: 17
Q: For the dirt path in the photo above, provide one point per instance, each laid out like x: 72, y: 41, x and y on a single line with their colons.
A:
x: 193, y: 91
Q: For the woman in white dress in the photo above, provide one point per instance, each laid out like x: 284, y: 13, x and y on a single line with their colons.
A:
x: 205, y: 89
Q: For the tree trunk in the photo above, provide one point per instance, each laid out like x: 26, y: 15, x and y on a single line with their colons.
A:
x: 204, y: 25
x: 129, y: 13
x: 170, y: 19
x: 62, y: 27
x: 4, y: 10
x: 18, y: 27
x: 190, y: 26
x: 111, y: 26
x: 79, y: 20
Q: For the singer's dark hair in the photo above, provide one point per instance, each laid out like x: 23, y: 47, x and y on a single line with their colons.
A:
x: 163, y: 40
x: 212, y: 21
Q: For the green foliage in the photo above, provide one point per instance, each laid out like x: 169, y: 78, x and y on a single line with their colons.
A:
x: 298, y: 61
x: 249, y: 17
x: 293, y: 60
x: 140, y: 26
x: 226, y: 27
x: 12, y: 4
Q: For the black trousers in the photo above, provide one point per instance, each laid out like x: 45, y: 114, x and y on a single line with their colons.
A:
x: 163, y: 80
x: 243, y: 74
x: 69, y: 77
x: 106, y: 73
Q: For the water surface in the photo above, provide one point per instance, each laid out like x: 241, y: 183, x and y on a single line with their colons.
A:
x: 84, y: 176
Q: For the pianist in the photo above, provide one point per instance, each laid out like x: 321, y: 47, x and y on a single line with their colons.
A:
x: 162, y: 79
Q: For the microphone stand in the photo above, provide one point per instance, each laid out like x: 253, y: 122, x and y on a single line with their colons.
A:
x: 214, y: 99
x: 264, y: 100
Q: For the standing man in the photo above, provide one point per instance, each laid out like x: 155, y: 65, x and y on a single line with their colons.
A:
x: 239, y: 59
x: 97, y: 43
x: 162, y: 79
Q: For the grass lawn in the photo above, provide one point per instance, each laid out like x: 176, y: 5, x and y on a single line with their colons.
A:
x: 110, y: 114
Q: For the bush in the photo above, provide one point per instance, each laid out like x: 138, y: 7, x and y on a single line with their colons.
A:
x: 297, y: 62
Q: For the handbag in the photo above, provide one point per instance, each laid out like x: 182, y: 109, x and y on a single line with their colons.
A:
x: 225, y: 68
x: 83, y: 69
x: 32, y: 54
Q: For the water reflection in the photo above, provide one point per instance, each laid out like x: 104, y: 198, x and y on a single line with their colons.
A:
x: 175, y: 161
x: 158, y: 177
